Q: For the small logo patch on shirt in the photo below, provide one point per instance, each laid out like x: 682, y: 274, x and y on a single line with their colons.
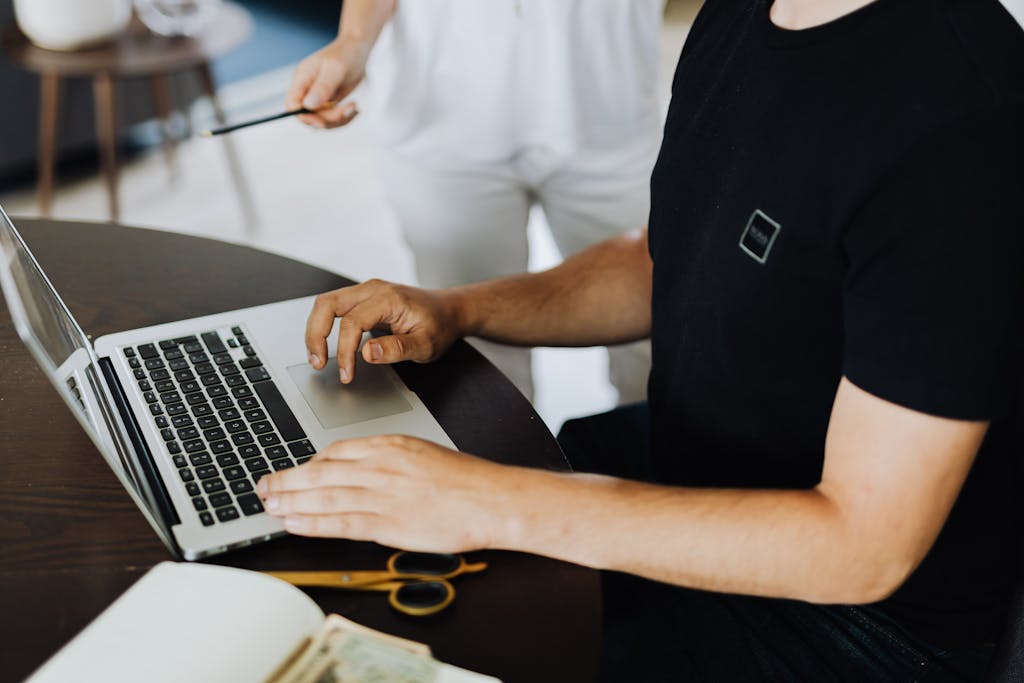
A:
x: 759, y: 236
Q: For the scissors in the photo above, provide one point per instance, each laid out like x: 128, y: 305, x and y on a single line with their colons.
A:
x: 417, y: 583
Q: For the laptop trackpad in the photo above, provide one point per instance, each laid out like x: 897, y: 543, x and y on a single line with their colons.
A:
x: 373, y: 394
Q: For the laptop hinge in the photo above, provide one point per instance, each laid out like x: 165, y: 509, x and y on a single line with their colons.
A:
x: 161, y: 497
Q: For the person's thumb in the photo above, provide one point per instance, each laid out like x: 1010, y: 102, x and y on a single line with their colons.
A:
x: 323, y: 90
x: 396, y: 348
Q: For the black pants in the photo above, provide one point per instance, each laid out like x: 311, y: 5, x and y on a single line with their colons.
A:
x: 657, y: 632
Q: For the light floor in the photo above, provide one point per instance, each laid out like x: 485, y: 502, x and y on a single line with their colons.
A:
x: 319, y: 200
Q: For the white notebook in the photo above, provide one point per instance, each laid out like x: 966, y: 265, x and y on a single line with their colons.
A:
x: 193, y: 622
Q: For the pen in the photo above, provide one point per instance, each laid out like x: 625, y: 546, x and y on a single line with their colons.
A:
x: 246, y: 124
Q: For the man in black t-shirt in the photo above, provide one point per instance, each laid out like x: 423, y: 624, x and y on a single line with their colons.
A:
x: 833, y: 289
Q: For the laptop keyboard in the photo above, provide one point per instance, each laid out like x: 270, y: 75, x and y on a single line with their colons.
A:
x: 223, y: 421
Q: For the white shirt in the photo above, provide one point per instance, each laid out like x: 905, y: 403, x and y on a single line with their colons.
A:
x: 484, y: 80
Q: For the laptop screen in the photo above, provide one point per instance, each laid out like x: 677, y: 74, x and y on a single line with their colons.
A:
x: 63, y: 351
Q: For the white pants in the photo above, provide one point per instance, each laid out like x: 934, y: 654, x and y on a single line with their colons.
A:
x: 469, y: 224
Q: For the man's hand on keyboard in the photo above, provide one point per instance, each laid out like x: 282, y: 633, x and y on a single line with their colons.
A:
x: 422, y: 324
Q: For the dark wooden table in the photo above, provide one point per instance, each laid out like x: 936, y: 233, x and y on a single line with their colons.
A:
x: 135, y: 53
x: 71, y: 541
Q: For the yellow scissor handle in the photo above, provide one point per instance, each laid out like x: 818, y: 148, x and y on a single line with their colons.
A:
x: 360, y: 580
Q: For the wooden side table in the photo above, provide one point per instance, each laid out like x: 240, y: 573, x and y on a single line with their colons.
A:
x: 137, y: 53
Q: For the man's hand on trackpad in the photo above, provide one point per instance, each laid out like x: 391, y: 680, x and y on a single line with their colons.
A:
x: 422, y: 324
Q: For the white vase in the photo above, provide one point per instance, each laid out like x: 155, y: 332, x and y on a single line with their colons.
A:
x: 71, y: 24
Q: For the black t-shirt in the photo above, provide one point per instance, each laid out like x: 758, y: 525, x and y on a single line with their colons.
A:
x: 847, y: 200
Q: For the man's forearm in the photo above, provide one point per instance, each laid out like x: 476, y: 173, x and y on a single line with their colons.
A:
x: 600, y: 296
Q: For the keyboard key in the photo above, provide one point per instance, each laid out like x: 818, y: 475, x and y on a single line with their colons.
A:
x: 226, y: 514
x: 222, y: 404
x: 206, y: 518
x: 175, y: 409
x: 234, y: 380
x: 249, y: 351
x: 134, y: 364
x: 186, y: 474
x: 187, y: 433
x: 228, y: 414
x: 164, y: 386
x: 234, y: 426
x: 168, y: 344
x: 200, y: 459
x: 148, y: 351
x: 192, y: 347
x: 192, y: 488
x: 242, y: 340
x: 248, y: 451
x: 199, y: 357
x: 167, y: 434
x: 219, y: 447
x: 207, y: 471
x: 278, y: 410
x: 199, y: 504
x: 210, y: 380
x: 235, y: 472
x: 179, y: 461
x: 304, y: 459
x: 248, y: 403
x: 217, y: 390
x: 237, y: 331
x: 239, y: 486
x: 213, y: 342
x: 228, y: 370
x: 222, y: 358
x: 250, y: 362
x: 195, y: 398
x: 301, y: 448
x: 173, y: 354
x: 150, y: 397
x: 215, y: 434
x: 173, y: 447
x: 129, y: 352
x: 262, y: 427
x: 275, y: 452
x: 170, y: 397
x: 282, y: 464
x: 257, y: 475
x: 221, y: 499
x: 202, y: 409
x: 227, y: 459
x: 207, y: 422
x: 259, y: 374
x: 189, y: 387
x: 241, y: 392
x: 254, y: 464
x: 156, y: 409
x: 242, y: 438
x: 255, y: 415
x: 233, y: 343
x: 178, y: 365
x: 155, y: 364
x: 250, y: 504
x: 144, y: 385
x: 161, y: 421
x: 194, y: 446
x: 204, y: 369
x: 191, y: 339
x: 213, y: 485
x: 268, y: 439
x: 181, y: 421
x: 141, y: 374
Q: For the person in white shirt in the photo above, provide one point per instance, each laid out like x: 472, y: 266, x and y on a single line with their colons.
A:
x: 485, y: 108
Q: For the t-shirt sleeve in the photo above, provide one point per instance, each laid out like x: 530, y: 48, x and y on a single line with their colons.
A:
x: 933, y: 290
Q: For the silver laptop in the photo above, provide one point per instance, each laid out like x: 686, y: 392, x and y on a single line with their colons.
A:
x: 191, y: 414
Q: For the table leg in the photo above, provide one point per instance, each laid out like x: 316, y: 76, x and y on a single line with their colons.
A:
x: 161, y: 88
x: 105, y: 94
x: 49, y: 108
x: 234, y: 165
